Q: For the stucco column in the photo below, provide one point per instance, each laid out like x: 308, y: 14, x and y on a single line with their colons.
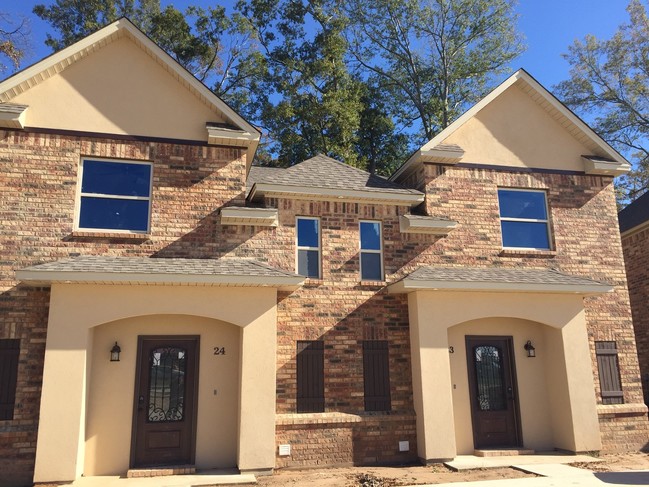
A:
x: 431, y: 381
x: 572, y: 395
x: 61, y: 427
x: 257, y: 394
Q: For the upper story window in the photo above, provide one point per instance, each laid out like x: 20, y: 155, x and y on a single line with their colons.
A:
x: 524, y: 219
x: 114, y: 196
x: 308, y: 247
x: 371, y: 251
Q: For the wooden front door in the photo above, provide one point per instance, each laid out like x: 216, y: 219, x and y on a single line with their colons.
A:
x: 492, y: 385
x: 166, y: 386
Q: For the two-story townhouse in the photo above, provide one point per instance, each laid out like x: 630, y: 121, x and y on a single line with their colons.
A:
x: 165, y: 303
x: 634, y: 229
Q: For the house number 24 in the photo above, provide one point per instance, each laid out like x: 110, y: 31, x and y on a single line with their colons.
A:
x: 219, y: 350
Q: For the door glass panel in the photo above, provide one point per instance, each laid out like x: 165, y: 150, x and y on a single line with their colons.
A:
x: 489, y: 378
x: 167, y: 384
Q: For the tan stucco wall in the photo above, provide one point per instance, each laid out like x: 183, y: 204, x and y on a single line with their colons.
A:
x: 513, y: 130
x: 111, y: 390
x: 531, y: 379
x: 555, y: 321
x: 119, y: 89
x: 69, y: 356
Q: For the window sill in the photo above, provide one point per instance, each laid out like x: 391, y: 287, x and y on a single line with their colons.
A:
x: 372, y: 284
x: 527, y: 253
x: 111, y: 235
x: 636, y: 409
x: 290, y: 419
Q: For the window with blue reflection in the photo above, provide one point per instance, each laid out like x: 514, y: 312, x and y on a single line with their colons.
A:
x: 308, y: 247
x: 115, y: 196
x: 371, y: 253
x: 524, y: 219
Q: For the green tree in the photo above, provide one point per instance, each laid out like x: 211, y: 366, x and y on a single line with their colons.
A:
x: 308, y: 101
x: 609, y: 84
x: 436, y: 57
x: 380, y: 144
x: 14, y: 39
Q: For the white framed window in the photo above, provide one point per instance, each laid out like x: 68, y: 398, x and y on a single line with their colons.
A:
x: 114, y: 195
x: 308, y: 255
x: 371, y: 252
x: 524, y: 219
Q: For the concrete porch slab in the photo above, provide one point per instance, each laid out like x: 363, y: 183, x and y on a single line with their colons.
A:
x: 469, y: 462
x: 206, y: 477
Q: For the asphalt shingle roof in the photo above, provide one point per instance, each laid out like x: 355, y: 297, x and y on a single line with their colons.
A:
x: 145, y: 265
x: 499, y: 275
x: 324, y: 172
x: 634, y: 214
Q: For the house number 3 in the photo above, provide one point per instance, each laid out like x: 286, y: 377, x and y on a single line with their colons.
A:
x: 451, y: 350
x: 219, y: 350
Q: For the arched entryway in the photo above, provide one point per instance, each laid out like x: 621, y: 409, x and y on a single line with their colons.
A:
x: 78, y: 376
x: 189, y: 394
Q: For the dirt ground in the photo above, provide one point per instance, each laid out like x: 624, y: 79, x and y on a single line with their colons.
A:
x: 436, y: 474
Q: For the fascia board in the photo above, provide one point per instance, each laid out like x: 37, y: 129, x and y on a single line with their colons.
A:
x: 411, y: 285
x: 638, y: 228
x: 259, y: 189
x: 38, y: 278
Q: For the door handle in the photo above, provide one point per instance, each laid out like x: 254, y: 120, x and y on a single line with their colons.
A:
x: 140, y: 403
x: 510, y: 393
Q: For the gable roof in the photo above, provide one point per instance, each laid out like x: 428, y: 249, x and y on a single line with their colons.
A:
x: 635, y: 214
x: 436, y: 151
x: 327, y: 177
x: 240, y: 130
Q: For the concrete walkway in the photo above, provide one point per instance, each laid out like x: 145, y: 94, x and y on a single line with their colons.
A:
x: 214, y: 477
x: 470, y: 462
x: 552, y: 471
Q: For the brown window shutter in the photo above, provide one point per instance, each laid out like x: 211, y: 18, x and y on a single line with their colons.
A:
x: 609, y: 373
x: 310, y: 376
x: 9, y: 352
x: 376, y: 374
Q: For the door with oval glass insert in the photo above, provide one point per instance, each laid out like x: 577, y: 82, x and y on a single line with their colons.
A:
x: 492, y: 386
x: 164, y: 422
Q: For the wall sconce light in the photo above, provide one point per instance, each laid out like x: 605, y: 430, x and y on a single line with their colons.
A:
x: 114, y: 353
x: 529, y: 348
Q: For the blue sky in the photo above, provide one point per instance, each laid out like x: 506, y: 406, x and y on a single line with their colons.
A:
x: 549, y: 26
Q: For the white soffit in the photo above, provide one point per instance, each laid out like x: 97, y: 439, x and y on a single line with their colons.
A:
x: 604, y: 167
x: 261, y: 217
x: 57, y: 62
x: 12, y: 115
x: 289, y: 191
x: 573, y: 124
x: 425, y: 224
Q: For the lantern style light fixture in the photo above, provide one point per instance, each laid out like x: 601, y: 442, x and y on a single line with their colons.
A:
x: 114, y: 353
x: 529, y: 348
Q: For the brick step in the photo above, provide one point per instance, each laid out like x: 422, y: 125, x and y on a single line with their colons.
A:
x: 161, y: 471
x: 504, y: 452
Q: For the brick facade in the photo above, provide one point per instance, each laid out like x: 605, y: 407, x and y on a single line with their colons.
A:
x: 636, y: 256
x: 191, y: 182
x: 38, y: 184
